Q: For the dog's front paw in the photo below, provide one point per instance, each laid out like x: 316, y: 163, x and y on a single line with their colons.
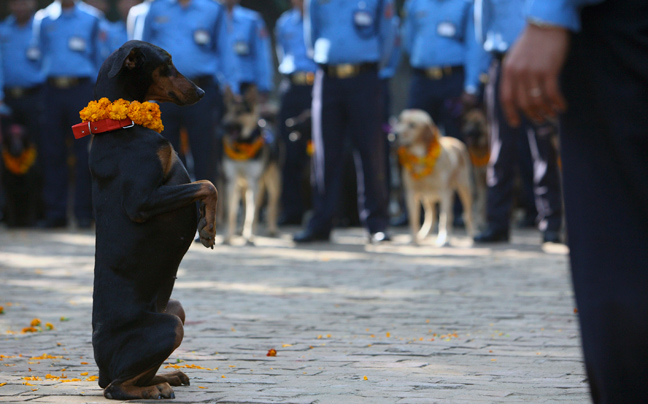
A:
x: 207, y: 233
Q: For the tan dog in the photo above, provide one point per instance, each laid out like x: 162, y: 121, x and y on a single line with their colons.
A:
x: 434, y: 167
x: 249, y: 166
x: 475, y: 130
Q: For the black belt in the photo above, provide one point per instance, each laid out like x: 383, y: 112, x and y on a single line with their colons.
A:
x: 438, y: 72
x: 21, y: 92
x: 302, y: 78
x: 64, y: 82
x: 345, y: 71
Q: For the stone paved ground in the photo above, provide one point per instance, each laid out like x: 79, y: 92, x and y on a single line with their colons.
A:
x: 350, y: 323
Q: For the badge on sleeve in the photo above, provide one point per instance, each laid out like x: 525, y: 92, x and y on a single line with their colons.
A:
x: 446, y: 29
x: 201, y: 37
x: 362, y: 19
x: 77, y: 44
x: 241, y: 48
x: 33, y: 53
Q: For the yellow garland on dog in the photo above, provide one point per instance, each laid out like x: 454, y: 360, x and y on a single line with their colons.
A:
x: 146, y: 114
x: 243, y: 151
x: 409, y: 161
x: 21, y: 164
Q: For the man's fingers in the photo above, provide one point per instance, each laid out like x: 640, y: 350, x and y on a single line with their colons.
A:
x: 554, y: 96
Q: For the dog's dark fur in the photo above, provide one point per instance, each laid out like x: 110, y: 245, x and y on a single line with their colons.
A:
x: 146, y: 220
x: 21, y: 190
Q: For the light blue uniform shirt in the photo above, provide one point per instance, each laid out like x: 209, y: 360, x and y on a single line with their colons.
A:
x: 116, y: 35
x: 135, y: 20
x: 192, y: 34
x: 68, y: 40
x: 442, y: 33
x: 389, y: 70
x: 249, y: 40
x: 562, y: 13
x: 498, y: 23
x: 291, y: 47
x: 20, y: 60
x: 349, y: 31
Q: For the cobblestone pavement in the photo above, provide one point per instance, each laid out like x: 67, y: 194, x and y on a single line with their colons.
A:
x: 350, y: 323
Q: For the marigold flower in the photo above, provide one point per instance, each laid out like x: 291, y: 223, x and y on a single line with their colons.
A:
x: 35, y: 322
x: 49, y: 326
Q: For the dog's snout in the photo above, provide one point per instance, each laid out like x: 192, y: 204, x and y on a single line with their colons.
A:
x: 200, y: 92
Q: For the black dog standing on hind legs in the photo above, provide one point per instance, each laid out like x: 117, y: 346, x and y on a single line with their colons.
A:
x: 146, y: 219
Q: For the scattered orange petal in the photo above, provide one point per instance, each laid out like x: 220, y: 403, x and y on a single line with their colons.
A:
x: 84, y: 363
x: 92, y: 378
x: 286, y: 345
x: 328, y: 335
x: 223, y: 376
x: 202, y: 387
x: 35, y: 322
x: 575, y: 310
x: 388, y: 335
x: 84, y: 374
x: 366, y: 378
x: 49, y: 326
x: 272, y: 352
x: 2, y: 384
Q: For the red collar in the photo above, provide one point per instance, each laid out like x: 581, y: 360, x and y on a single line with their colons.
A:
x: 106, y: 125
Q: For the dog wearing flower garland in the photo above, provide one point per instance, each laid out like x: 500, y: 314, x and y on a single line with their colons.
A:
x: 250, y: 166
x: 434, y: 167
x: 146, y: 219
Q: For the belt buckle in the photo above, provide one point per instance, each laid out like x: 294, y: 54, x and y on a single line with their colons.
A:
x: 345, y: 71
x: 434, y: 73
x: 310, y: 78
x: 299, y: 78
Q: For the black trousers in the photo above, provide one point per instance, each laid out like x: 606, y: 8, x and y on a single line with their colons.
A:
x: 605, y: 160
x: 504, y: 156
x: 294, y: 101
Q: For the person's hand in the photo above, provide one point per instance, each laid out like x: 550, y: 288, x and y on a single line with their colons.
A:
x: 530, y: 74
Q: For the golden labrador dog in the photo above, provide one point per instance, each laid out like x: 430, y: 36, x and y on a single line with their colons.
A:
x: 434, y: 167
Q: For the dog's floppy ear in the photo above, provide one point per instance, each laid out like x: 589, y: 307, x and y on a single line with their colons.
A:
x: 126, y: 58
x: 429, y: 132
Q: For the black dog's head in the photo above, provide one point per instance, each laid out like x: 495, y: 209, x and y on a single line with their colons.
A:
x: 241, y: 118
x: 144, y: 72
x: 475, y: 129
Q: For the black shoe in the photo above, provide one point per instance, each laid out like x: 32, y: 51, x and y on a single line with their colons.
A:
x: 52, y: 223
x: 308, y: 236
x: 379, y: 237
x: 84, y: 223
x: 490, y: 235
x: 551, y: 236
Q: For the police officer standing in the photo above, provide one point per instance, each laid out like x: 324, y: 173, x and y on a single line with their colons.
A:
x: 21, y: 80
x: 191, y: 31
x: 500, y: 24
x: 447, y: 60
x: 296, y: 97
x: 350, y: 41
x: 249, y: 39
x: 67, y: 35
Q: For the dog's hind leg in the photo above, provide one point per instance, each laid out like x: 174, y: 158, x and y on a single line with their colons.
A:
x: 429, y: 217
x: 465, y: 194
x: 445, y: 218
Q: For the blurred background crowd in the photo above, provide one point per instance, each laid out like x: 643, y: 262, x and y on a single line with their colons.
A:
x: 353, y: 64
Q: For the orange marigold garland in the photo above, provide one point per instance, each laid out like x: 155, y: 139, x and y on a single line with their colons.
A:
x: 243, y: 151
x: 21, y: 164
x: 479, y: 160
x: 146, y: 114
x: 420, y: 167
